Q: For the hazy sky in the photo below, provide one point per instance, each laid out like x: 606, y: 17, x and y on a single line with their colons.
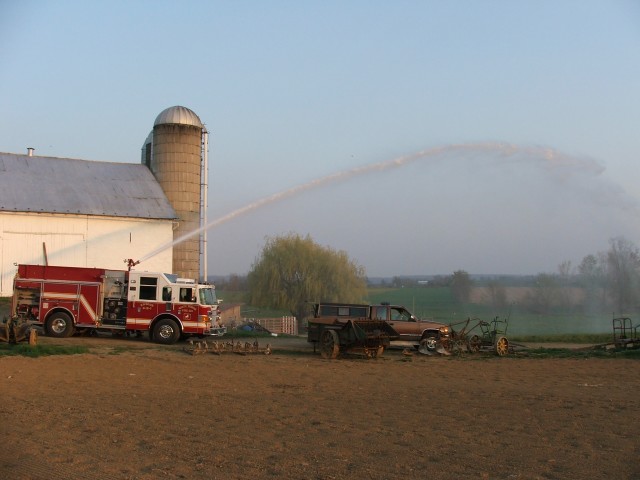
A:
x: 524, y: 116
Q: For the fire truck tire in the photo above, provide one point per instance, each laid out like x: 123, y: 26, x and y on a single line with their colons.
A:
x: 166, y: 331
x: 59, y: 325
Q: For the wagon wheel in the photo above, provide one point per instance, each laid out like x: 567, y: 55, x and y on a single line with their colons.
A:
x: 458, y: 346
x: 502, y: 346
x: 329, y: 344
x: 473, y: 345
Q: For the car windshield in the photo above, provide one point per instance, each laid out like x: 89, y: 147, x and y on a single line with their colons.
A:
x: 207, y: 296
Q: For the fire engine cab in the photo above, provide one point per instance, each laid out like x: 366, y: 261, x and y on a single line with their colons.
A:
x: 63, y: 300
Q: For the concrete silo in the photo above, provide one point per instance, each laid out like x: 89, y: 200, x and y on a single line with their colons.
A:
x: 175, y: 152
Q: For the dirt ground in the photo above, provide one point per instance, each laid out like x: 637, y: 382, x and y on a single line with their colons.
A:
x: 134, y: 410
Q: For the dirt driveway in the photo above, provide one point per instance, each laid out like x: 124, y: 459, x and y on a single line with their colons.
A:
x: 134, y: 410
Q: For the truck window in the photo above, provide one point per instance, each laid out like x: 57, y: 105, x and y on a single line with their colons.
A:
x: 327, y: 311
x: 186, y: 295
x: 379, y: 313
x: 400, y: 314
x: 208, y: 296
x: 166, y: 294
x: 148, y: 288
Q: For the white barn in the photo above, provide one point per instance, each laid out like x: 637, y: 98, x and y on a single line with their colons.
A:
x: 64, y: 211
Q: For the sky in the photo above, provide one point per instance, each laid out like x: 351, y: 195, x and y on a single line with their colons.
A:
x: 420, y: 137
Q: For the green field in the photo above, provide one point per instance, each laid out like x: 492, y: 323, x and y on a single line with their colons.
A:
x: 439, y: 304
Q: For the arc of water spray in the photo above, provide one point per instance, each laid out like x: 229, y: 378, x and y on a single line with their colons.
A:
x: 504, y: 149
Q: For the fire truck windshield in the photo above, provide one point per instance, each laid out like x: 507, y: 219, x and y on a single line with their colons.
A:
x: 207, y: 296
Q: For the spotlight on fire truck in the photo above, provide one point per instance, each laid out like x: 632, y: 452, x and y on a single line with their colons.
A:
x: 131, y: 262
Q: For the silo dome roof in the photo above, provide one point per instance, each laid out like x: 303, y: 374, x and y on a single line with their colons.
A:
x: 179, y: 115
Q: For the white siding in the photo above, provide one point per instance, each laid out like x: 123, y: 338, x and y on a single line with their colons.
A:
x: 80, y: 241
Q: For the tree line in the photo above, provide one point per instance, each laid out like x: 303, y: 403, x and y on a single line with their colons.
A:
x: 605, y: 281
x: 294, y: 271
x: 610, y: 279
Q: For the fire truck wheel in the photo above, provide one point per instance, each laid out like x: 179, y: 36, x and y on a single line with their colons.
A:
x: 166, y: 331
x: 59, y: 325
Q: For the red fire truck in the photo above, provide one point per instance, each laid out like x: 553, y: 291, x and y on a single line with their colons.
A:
x: 63, y: 300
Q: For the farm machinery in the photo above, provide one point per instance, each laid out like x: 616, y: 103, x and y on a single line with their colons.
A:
x: 195, y: 347
x: 14, y: 330
x: 478, y: 335
x: 349, y: 329
x: 364, y: 336
x: 625, y: 334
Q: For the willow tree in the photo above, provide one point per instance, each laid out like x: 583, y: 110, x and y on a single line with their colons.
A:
x: 293, y: 271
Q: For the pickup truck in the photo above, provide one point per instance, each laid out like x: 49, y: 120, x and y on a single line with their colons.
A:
x: 425, y: 335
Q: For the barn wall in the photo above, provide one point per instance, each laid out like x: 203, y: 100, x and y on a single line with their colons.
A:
x: 80, y: 241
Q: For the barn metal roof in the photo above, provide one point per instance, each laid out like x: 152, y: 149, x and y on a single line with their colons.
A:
x: 65, y: 185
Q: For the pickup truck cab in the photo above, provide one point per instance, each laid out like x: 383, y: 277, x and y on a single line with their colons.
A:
x: 426, y: 335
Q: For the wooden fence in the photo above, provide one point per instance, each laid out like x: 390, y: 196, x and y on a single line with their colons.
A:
x: 287, y: 325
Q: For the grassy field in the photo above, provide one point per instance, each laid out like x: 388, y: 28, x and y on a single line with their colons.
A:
x: 26, y: 350
x: 438, y: 304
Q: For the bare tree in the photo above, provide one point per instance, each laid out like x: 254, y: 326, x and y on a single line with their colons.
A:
x: 497, y: 294
x: 623, y: 268
x: 461, y: 286
x: 564, y: 284
x: 592, y: 278
x: 544, y: 294
x: 236, y: 283
x: 564, y: 270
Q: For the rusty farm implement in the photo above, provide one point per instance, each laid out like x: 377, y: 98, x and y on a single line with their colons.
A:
x: 15, y: 330
x: 195, y: 347
x: 625, y: 334
x: 478, y: 335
